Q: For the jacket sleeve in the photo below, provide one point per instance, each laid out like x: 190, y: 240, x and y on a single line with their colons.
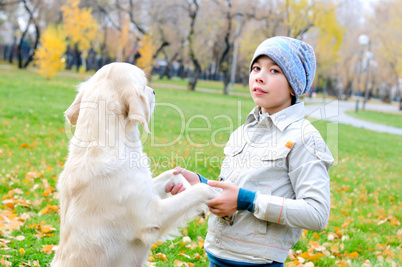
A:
x: 309, y: 162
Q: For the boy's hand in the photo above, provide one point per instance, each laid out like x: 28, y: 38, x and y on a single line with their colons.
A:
x: 226, y: 203
x: 190, y: 176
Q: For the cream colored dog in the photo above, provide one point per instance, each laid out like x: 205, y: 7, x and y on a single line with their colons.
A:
x: 111, y: 209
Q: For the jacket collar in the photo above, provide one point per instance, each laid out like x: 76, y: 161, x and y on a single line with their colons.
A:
x: 281, y: 119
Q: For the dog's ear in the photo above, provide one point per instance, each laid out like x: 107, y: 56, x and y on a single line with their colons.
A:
x: 137, y: 109
x: 73, y: 111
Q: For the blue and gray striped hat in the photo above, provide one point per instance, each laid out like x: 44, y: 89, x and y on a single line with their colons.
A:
x: 294, y: 57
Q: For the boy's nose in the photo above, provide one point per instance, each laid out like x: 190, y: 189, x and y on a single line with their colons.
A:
x: 260, y: 78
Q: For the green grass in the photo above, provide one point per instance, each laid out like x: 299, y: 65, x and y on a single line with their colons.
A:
x: 188, y: 129
x: 212, y: 85
x: 390, y: 119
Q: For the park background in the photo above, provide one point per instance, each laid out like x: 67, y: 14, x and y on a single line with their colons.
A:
x: 196, y: 55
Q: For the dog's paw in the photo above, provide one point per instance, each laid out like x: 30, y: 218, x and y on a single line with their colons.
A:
x: 178, y: 178
x: 208, y: 191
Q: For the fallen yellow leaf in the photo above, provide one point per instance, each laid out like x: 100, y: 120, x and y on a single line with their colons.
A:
x: 200, y: 242
x: 47, y: 249
x: 341, y: 264
x: 354, y: 255
x: 161, y: 256
x: 316, y: 236
x: 178, y: 263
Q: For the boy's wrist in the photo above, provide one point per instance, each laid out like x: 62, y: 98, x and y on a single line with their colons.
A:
x: 202, y: 179
x: 245, y: 200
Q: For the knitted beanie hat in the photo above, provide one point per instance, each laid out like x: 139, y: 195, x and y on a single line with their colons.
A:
x: 294, y: 57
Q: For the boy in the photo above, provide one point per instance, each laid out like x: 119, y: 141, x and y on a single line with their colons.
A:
x: 275, y: 173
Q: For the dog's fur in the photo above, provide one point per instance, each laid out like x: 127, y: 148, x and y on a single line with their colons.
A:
x: 111, y: 209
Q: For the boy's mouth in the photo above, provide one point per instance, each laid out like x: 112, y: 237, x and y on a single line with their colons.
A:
x: 258, y: 91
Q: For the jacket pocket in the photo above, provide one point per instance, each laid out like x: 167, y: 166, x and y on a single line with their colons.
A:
x: 232, y: 162
x: 271, y: 165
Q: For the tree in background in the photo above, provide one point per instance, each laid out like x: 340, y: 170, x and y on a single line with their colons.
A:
x: 206, y: 39
x: 192, y: 9
x: 48, y: 57
x: 146, y: 54
x: 386, y: 32
x: 80, y: 27
x: 327, y: 36
x: 316, y: 22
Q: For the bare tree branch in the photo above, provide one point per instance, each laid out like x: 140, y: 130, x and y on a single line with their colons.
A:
x: 2, y: 3
x: 106, y: 14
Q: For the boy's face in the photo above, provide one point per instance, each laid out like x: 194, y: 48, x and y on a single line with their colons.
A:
x: 269, y: 87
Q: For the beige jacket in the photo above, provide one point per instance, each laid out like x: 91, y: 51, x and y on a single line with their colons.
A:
x: 284, y: 158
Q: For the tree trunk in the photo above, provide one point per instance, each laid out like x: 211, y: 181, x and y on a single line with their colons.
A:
x: 194, y: 79
x: 19, y: 47
x: 348, y: 90
x: 226, y: 81
x: 166, y: 71
x: 77, y: 56
x: 197, y: 67
x: 400, y: 101
x: 33, y: 50
x: 11, y: 52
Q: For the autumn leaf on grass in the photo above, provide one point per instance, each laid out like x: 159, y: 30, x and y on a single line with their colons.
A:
x: 48, y: 191
x: 33, y: 175
x: 48, y: 249
x: 200, y: 242
x: 179, y: 263
x: 186, y: 239
x: 43, y: 229
x: 184, y: 255
x: 22, y: 251
x: 316, y: 236
x: 391, y: 219
x: 5, y: 263
x: 354, y: 255
x: 34, y: 263
x: 24, y: 146
x: 341, y: 264
x: 9, y: 203
x: 380, y: 247
x: 161, y: 256
x: 20, y: 238
x: 49, y: 209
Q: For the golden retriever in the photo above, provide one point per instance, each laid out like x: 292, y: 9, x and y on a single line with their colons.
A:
x: 111, y: 209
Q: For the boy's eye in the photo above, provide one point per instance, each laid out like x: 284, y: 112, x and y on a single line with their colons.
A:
x: 275, y: 71
x: 255, y: 68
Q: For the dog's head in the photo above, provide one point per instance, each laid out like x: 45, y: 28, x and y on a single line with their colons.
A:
x: 123, y: 87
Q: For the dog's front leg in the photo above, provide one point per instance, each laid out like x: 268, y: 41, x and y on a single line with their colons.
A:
x: 182, y: 208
